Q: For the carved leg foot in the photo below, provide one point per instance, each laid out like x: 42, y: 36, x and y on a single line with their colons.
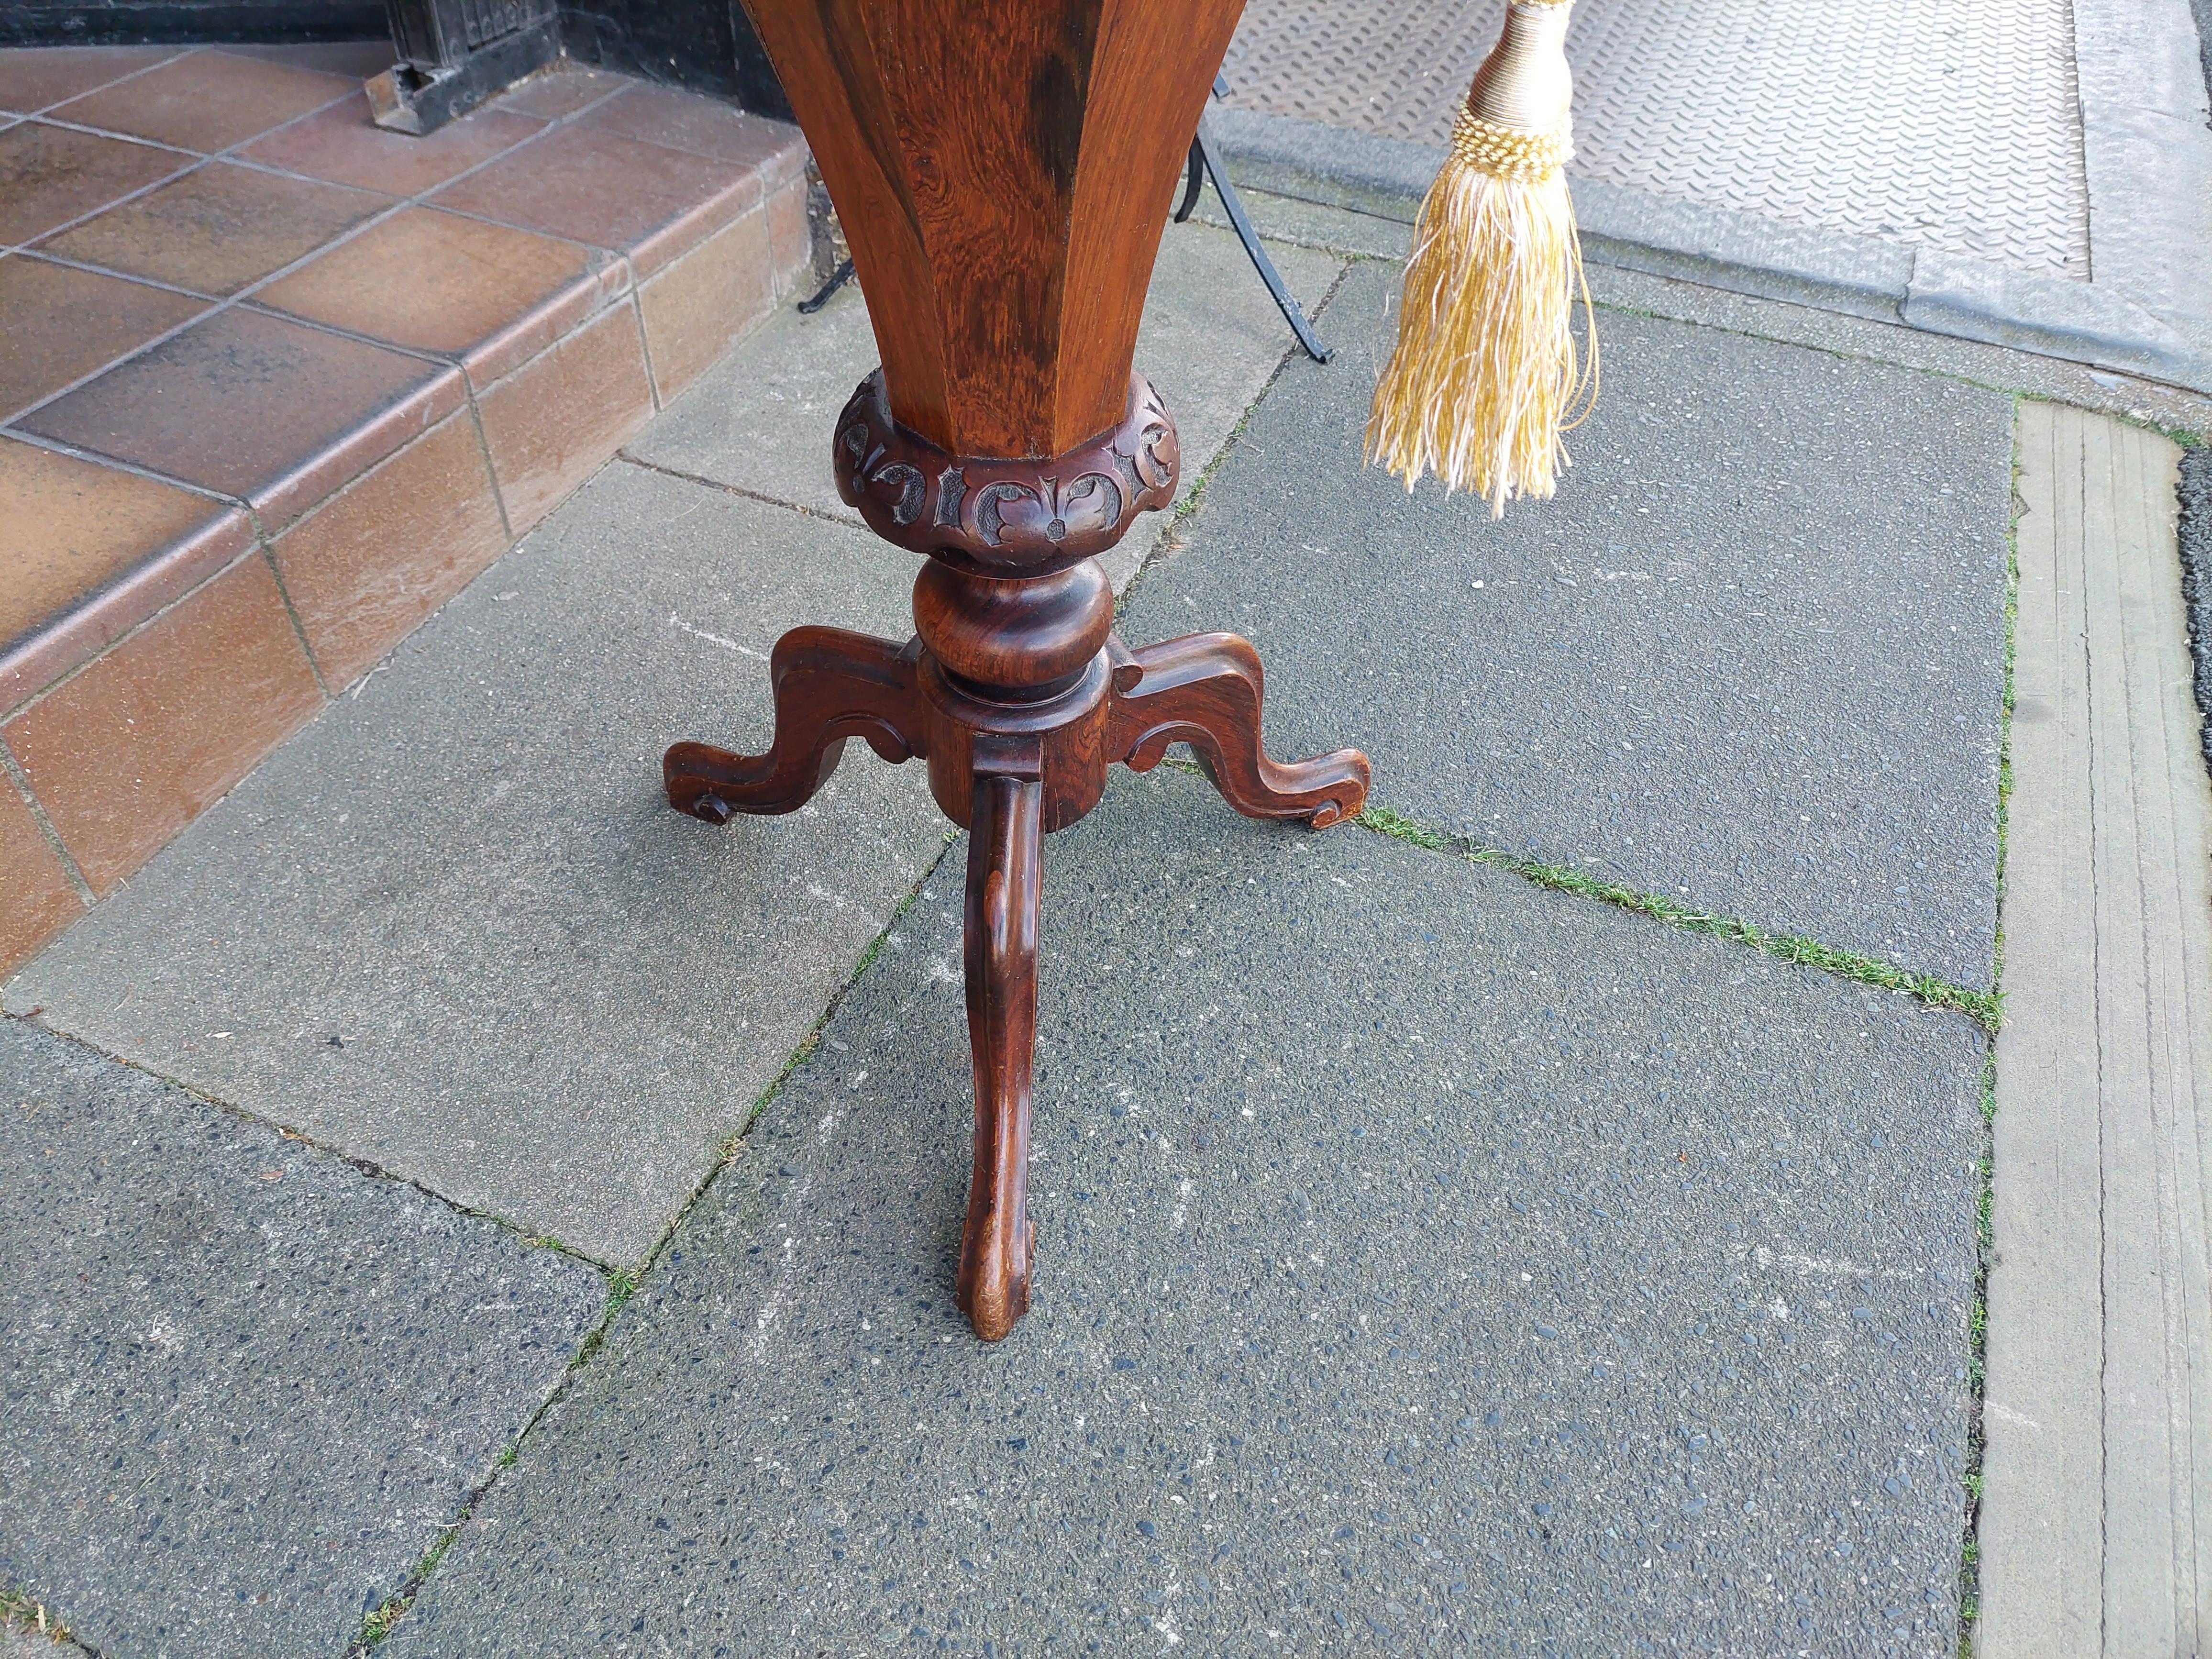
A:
x: 830, y: 684
x: 1204, y: 690
x: 1001, y: 935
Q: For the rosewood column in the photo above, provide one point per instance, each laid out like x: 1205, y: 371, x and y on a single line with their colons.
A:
x: 1003, y: 168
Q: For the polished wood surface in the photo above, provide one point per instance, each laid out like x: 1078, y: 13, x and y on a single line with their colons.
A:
x: 1011, y: 769
x: 1000, y: 946
x: 1002, y: 169
x: 1008, y: 516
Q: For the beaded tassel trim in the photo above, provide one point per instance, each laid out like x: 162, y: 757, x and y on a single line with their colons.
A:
x: 1509, y: 153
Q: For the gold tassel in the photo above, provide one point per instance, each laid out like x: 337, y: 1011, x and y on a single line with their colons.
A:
x: 1485, y: 374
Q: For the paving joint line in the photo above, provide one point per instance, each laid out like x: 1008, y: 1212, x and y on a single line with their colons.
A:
x: 1985, y: 1008
x: 1970, y: 1575
x: 623, y: 1285
x: 728, y: 489
x: 1188, y: 506
x: 363, y: 1166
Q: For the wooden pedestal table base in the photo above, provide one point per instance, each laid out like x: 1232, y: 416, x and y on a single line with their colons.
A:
x: 1018, y: 695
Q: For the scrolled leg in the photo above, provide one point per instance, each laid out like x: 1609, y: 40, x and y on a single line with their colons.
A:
x: 1001, y: 940
x: 1204, y: 690
x: 829, y: 684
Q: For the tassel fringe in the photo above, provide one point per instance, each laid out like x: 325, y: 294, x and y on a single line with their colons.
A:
x: 1485, y: 374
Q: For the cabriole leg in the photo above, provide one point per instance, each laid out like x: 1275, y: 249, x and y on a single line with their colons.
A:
x: 830, y: 683
x: 1204, y: 690
x: 1000, y: 949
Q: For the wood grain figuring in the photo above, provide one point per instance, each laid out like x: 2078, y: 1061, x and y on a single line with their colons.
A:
x: 1153, y: 73
x: 1002, y: 173
x: 1000, y: 946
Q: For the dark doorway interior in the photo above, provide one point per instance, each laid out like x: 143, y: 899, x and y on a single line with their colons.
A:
x: 705, y: 45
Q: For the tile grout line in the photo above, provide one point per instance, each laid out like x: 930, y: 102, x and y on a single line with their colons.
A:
x: 16, y: 776
x: 395, y: 205
x: 263, y: 543
x: 184, y: 51
x: 267, y: 551
x: 255, y: 546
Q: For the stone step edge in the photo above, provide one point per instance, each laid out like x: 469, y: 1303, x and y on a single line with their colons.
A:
x: 164, y: 586
x: 1922, y: 288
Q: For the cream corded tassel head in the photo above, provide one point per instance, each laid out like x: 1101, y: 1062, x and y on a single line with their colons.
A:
x: 1486, y: 370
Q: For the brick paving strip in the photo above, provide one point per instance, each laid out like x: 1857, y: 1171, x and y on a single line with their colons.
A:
x: 1429, y: 1253
x: 2096, y: 1523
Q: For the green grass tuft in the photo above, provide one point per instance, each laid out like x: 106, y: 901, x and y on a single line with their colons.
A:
x: 24, y: 1615
x: 1986, y: 1008
x: 379, y: 1624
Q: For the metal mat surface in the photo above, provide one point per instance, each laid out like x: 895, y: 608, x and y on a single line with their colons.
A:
x: 1952, y: 123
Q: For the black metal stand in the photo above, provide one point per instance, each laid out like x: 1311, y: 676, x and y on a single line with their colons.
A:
x: 1205, y: 161
x: 820, y: 297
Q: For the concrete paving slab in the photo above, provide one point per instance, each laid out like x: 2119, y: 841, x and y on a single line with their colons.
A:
x: 247, y: 1386
x: 454, y: 928
x: 761, y: 421
x: 1751, y: 656
x: 1424, y: 1258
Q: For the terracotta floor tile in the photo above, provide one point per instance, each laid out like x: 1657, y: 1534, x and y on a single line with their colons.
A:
x: 137, y: 744
x: 555, y: 421
x: 597, y: 187
x: 437, y: 282
x: 356, y: 60
x: 69, y: 527
x: 343, y: 145
x: 218, y: 229
x: 207, y: 100
x: 40, y: 900
x: 86, y: 553
x: 256, y: 406
x: 685, y: 121
x: 561, y: 91
x: 705, y: 300
x: 58, y: 324
x: 371, y: 562
x: 32, y: 78
x: 791, y: 238
x: 50, y: 176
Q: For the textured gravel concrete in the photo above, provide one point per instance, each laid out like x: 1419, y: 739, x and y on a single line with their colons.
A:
x: 761, y: 421
x: 454, y: 928
x: 245, y: 1386
x: 1751, y: 656
x: 1424, y: 1261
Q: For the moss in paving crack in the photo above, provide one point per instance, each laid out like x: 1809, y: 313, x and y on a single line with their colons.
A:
x: 379, y: 1624
x: 1982, y: 1006
x: 621, y: 1286
x: 1970, y: 1559
x: 22, y: 1614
